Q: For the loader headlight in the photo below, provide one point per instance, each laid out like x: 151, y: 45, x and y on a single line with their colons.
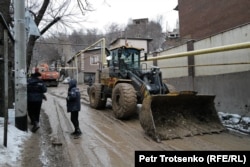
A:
x: 148, y: 87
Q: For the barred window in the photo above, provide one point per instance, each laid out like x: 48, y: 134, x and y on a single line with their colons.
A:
x: 94, y: 59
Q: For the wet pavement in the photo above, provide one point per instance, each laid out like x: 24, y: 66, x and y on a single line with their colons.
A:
x: 109, y: 142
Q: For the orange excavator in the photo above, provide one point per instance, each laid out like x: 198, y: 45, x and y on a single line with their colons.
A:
x: 50, y: 77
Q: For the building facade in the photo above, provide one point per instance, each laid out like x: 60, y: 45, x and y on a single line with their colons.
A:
x: 204, y: 18
x: 134, y: 42
x: 84, y: 64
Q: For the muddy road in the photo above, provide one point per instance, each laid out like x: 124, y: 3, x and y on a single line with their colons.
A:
x: 109, y: 142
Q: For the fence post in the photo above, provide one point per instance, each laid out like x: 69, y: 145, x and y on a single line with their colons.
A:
x: 191, y: 66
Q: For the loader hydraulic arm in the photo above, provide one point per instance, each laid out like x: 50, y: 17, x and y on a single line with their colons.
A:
x: 148, y: 82
x: 153, y: 80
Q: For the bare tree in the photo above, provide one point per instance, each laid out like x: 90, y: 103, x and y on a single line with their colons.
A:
x: 81, y: 39
x: 46, y: 51
x: 113, y: 31
x: 49, y: 13
x: 77, y: 37
x: 46, y: 14
x: 151, y: 29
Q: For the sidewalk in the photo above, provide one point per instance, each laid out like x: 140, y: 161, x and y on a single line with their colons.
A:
x: 45, y: 147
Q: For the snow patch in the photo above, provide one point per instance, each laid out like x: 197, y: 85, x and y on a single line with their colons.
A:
x: 235, y: 122
x: 11, y: 155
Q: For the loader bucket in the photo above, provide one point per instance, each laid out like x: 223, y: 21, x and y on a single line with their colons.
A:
x: 169, y: 116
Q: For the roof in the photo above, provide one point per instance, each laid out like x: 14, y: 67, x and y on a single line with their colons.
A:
x: 94, y: 49
x: 128, y: 47
x: 141, y: 19
x: 117, y: 39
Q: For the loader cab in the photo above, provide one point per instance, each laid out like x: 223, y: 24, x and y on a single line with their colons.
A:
x: 125, y: 58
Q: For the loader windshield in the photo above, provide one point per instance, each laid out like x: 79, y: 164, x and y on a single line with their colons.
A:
x: 131, y: 56
x: 127, y: 58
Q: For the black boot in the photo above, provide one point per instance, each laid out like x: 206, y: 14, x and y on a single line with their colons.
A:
x: 78, y: 132
x: 35, y: 127
x: 73, y: 133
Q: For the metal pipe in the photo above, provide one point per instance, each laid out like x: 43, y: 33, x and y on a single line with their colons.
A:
x: 6, y: 83
x: 76, y: 61
x: 78, y: 54
x: 203, y: 51
x: 20, y: 66
x: 103, y: 51
x: 202, y: 65
x: 81, y: 51
x: 66, y: 68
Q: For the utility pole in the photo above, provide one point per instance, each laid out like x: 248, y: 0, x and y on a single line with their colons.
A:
x: 20, y: 66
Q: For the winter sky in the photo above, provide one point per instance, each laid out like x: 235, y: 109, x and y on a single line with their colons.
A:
x: 121, y: 11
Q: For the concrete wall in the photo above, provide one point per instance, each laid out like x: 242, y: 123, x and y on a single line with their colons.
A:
x: 239, y: 35
x: 232, y: 94
x: 230, y: 83
x: 80, y: 77
x: 168, y: 65
x: 231, y: 90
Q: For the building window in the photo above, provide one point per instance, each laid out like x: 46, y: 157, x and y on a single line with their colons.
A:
x: 94, y: 59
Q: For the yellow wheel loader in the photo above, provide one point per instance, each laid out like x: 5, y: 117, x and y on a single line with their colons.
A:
x: 164, y: 114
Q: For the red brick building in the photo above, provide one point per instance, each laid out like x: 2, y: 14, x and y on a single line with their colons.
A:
x: 202, y: 18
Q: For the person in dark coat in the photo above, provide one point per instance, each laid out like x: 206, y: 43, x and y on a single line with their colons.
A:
x: 74, y: 105
x: 35, y: 95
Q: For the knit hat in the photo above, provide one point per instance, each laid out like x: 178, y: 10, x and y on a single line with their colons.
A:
x: 36, y: 70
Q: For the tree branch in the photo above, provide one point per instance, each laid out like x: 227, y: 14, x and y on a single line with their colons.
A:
x: 41, y: 12
x: 83, y: 8
x: 49, y: 25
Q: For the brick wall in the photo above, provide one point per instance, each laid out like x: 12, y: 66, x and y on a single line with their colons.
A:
x: 201, y: 18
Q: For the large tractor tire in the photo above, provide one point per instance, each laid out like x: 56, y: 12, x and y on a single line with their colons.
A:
x: 124, y: 101
x: 95, y: 98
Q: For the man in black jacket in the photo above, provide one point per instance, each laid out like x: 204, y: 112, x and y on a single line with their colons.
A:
x: 74, y: 105
x: 35, y: 91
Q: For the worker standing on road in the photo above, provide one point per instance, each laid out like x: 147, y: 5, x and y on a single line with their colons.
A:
x: 35, y: 90
x: 74, y: 105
